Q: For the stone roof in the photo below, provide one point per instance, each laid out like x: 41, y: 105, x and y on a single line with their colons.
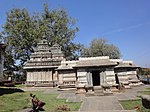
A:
x: 95, y: 63
x: 126, y: 65
x: 67, y: 65
x: 39, y: 67
x: 45, y: 56
x: 65, y: 68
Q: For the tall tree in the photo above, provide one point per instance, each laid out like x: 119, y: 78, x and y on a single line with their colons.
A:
x: 99, y: 47
x: 59, y: 28
x: 20, y: 34
x: 22, y: 31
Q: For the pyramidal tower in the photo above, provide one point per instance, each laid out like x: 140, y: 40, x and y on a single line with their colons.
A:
x: 42, y: 64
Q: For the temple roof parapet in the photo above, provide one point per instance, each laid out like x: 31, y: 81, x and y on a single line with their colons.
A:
x: 94, y: 58
x: 124, y: 64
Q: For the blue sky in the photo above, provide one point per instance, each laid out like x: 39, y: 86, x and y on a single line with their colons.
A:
x: 124, y: 23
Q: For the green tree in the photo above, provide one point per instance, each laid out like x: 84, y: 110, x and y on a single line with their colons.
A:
x: 22, y: 31
x: 99, y: 47
x: 59, y: 28
x: 20, y: 34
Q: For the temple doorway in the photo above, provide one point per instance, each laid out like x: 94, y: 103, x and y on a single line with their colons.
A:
x: 96, y: 78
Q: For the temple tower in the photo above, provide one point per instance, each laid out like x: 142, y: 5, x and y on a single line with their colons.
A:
x: 42, y: 64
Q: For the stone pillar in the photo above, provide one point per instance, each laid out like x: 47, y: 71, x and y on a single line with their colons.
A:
x: 89, y: 79
x: 102, y: 78
x: 60, y: 76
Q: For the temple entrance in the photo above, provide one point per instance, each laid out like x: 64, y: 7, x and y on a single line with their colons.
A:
x: 96, y: 78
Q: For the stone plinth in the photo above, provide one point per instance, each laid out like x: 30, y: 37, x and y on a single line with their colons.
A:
x: 126, y: 84
x: 89, y: 88
x: 114, y: 88
x: 134, y: 83
x: 107, y: 89
x: 98, y: 91
x: 80, y: 89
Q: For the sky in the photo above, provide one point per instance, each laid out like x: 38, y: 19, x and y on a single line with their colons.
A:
x: 124, y: 23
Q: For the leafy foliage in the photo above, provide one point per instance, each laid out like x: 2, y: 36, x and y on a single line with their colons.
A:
x: 99, y: 47
x: 59, y: 28
x: 22, y: 31
x: 20, y: 34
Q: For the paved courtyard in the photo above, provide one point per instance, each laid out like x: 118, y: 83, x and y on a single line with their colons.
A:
x: 95, y: 103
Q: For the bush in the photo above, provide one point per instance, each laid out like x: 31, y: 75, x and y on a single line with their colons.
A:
x: 62, y: 108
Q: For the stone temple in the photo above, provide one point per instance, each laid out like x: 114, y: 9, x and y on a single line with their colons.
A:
x: 42, y: 64
x: 48, y: 67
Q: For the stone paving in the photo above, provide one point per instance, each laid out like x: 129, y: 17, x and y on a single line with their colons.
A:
x: 96, y: 103
x: 71, y: 97
x: 130, y: 94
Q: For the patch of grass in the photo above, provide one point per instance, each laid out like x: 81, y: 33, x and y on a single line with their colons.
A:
x: 132, y: 104
x: 19, y: 100
x: 20, y: 85
x: 13, y: 102
x: 52, y: 103
x: 148, y: 89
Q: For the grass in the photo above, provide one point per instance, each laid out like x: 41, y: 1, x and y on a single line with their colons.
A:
x: 13, y: 102
x: 132, y: 104
x: 52, y: 103
x: 20, y: 100
x: 19, y: 85
x: 147, y: 88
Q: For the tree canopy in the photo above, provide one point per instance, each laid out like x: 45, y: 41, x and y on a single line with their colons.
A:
x: 22, y: 31
x: 99, y: 47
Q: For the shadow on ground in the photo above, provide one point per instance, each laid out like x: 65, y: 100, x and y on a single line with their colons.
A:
x: 9, y: 90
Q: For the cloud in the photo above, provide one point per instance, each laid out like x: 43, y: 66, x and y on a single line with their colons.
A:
x: 124, y: 29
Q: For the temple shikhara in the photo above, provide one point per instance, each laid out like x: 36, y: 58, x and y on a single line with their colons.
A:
x: 41, y: 68
x: 48, y: 67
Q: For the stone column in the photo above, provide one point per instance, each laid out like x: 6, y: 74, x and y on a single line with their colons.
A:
x: 102, y: 78
x: 89, y: 79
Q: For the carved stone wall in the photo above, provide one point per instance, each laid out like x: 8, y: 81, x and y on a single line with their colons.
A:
x: 39, y: 76
x: 67, y: 77
x: 82, y: 76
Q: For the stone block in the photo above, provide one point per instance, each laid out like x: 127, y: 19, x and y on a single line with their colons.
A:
x: 97, y: 88
x: 98, y: 91
x: 80, y: 89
